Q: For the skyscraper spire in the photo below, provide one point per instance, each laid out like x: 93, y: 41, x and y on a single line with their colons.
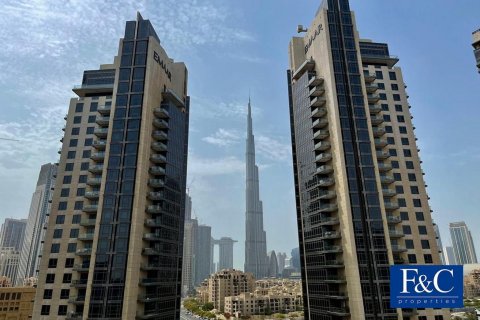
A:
x: 255, y: 240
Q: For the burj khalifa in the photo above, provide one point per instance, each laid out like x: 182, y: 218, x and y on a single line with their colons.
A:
x: 256, y: 260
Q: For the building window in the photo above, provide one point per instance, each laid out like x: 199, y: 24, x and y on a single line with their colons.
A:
x: 75, y: 131
x: 404, y: 216
x: 77, y: 119
x: 402, y: 202
x: 384, y: 107
x: 64, y: 293
x: 394, y: 86
x: 428, y: 258
x: 397, y: 176
x: 55, y: 248
x: 396, y: 97
x: 405, y: 141
x: 383, y: 96
x: 64, y: 192
x: 407, y: 152
x: 412, y: 177
x: 422, y: 229
x: 76, y: 219
x: 52, y: 263
x: 388, y: 129
x: 93, y: 106
x: 90, y: 130
x: 67, y: 179
x: 409, y: 164
x: 45, y: 310
x: 399, y: 189
x: 379, y: 75
x: 402, y: 129
x: 409, y: 244
x: 73, y: 143
x: 381, y: 86
x: 73, y: 233
x: 417, y: 203
x: 394, y: 164
x: 86, y: 154
x: 84, y: 166
x: 82, y: 178
x: 425, y: 244
x: 414, y: 190
x: 438, y: 317
x: 79, y: 204
x: 67, y: 278
x: 91, y: 119
x: 47, y: 294
x: 69, y: 167
x: 57, y: 233
x: 400, y: 118
x: 88, y: 142
x: 62, y: 205
x: 71, y: 154
x: 79, y: 107
x: 390, y: 140
x: 392, y: 152
x: 398, y: 108
x: 407, y: 229
x: 50, y: 278
x: 386, y: 117
x: 412, y: 258
x: 60, y: 219
x: 72, y: 247
x: 69, y: 262
x: 62, y: 310
x: 392, y: 75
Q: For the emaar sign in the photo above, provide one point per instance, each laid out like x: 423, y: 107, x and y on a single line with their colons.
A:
x: 426, y: 286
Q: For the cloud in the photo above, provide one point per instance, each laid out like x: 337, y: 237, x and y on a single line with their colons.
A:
x: 199, y: 166
x: 247, y: 58
x: 223, y: 137
x: 273, y: 149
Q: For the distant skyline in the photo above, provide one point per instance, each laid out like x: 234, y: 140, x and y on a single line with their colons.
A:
x: 231, y: 48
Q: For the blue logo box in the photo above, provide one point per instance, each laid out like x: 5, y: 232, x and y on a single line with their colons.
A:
x: 426, y: 286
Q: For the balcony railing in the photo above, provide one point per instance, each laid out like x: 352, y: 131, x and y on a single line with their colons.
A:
x: 323, y: 157
x: 378, y: 132
x: 92, y: 194
x: 160, y: 123
x: 315, y: 80
x: 94, y: 181
x: 84, y: 252
x: 103, y: 121
x: 389, y: 193
x: 159, y: 146
x: 158, y: 158
x: 384, y: 167
x: 376, y: 120
x: 159, y: 135
x: 88, y: 222
x: 156, y: 183
x: 104, y: 109
x: 379, y: 142
x: 85, y: 237
x: 90, y: 208
x: 391, y: 205
x: 100, y: 132
x: 96, y: 168
x: 98, y: 156
x: 322, y: 146
x: 321, y: 134
x: 317, y: 91
x: 373, y: 98
x: 317, y: 102
x: 319, y: 112
x: 374, y: 108
x: 369, y: 77
x: 155, y: 170
x: 155, y: 195
x: 387, y: 179
x: 324, y: 169
x: 99, y: 144
x: 382, y: 155
x: 161, y: 112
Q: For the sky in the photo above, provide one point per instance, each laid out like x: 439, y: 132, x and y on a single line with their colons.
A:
x: 233, y: 49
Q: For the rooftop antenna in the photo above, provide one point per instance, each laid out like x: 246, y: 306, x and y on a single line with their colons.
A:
x: 301, y: 29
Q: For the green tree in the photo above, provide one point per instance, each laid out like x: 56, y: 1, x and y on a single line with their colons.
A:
x: 208, y: 306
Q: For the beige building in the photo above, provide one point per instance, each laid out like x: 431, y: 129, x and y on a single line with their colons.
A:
x: 361, y: 199
x: 476, y: 47
x: 225, y: 283
x: 113, y: 244
x: 471, y: 282
x: 16, y: 303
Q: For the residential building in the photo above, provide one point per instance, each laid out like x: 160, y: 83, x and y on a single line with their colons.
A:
x: 471, y: 284
x: 449, y: 256
x: 225, y: 283
x: 203, y: 256
x: 12, y: 233
x: 295, y: 259
x: 190, y: 243
x: 256, y: 260
x: 360, y: 194
x: 439, y: 242
x: 35, y: 228
x: 225, y: 252
x: 113, y: 246
x: 9, y: 263
x: 476, y: 47
x: 462, y: 243
x: 16, y: 303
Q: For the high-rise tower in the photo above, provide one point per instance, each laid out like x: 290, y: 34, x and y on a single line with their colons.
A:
x: 225, y: 253
x: 360, y: 194
x: 113, y: 246
x: 476, y: 47
x: 256, y: 260
x: 35, y: 230
x: 462, y: 243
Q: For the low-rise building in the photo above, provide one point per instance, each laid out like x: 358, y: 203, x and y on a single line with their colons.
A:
x: 16, y: 303
x: 471, y: 284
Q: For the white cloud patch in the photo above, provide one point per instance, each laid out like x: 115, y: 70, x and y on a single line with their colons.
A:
x: 223, y: 137
x: 198, y: 166
x: 273, y: 149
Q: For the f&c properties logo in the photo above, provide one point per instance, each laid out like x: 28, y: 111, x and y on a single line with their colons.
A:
x: 426, y: 286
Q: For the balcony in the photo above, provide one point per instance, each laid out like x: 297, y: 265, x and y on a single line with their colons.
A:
x: 159, y: 135
x: 381, y: 155
x: 380, y: 143
x: 331, y: 249
x: 393, y: 219
x: 331, y: 235
x: 395, y: 234
x: 324, y: 169
x: 317, y: 91
x: 152, y: 237
x: 96, y: 168
x: 158, y: 158
x: 154, y: 209
x: 323, y: 157
x: 331, y: 207
x: 390, y: 61
x: 324, y: 195
x: 76, y: 300
x: 369, y: 77
x: 378, y: 132
x: 320, y: 123
x: 85, y: 237
x: 386, y: 179
x: 170, y: 95
x: 398, y: 248
x: 372, y: 87
x: 307, y: 65
x: 90, y: 208
x: 391, y: 206
x: 156, y: 183
x: 104, y: 109
x: 152, y: 223
x: 94, y: 181
x: 93, y: 89
x: 160, y: 123
x: 92, y: 194
x: 321, y: 134
x: 81, y: 267
x: 100, y: 132
x: 384, y: 167
x: 326, y: 182
x: 159, y: 146
x: 329, y: 221
x: 317, y: 102
x: 99, y: 144
x: 339, y: 312
x: 389, y: 193
x: 102, y: 121
x: 157, y: 171
x: 84, y: 252
x: 155, y: 196
x: 161, y: 112
x: 374, y: 108
x: 314, y: 80
x: 98, y: 156
x: 373, y: 98
x: 322, y: 146
x: 319, y: 112
x: 376, y: 120
x: 88, y: 222
x: 79, y: 283
x: 151, y: 252
x: 333, y: 264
